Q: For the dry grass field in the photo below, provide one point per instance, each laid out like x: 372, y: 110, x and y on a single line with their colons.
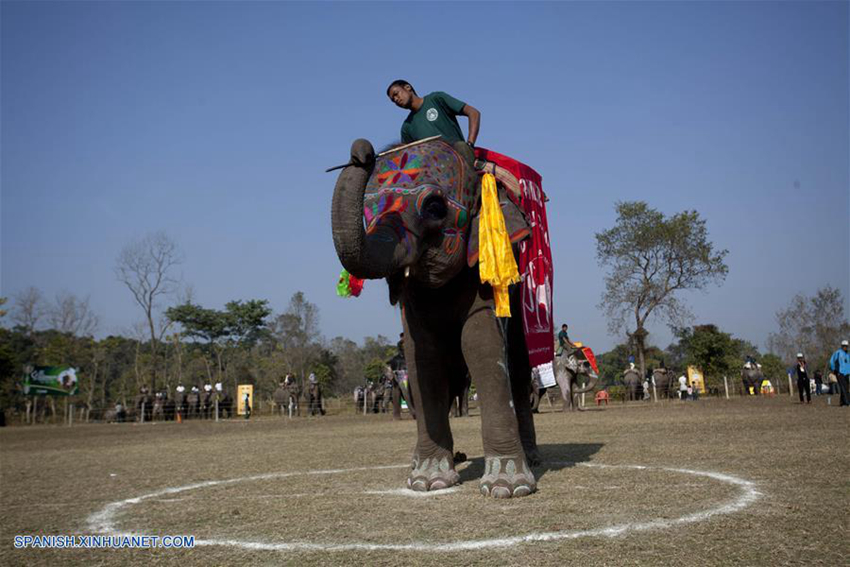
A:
x: 61, y: 480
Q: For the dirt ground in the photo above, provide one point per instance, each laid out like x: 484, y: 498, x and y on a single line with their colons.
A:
x: 61, y: 480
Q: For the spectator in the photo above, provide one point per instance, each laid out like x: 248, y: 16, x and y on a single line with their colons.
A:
x: 803, y: 379
x: 839, y: 363
x: 695, y: 388
x: 683, y: 387
x: 818, y: 382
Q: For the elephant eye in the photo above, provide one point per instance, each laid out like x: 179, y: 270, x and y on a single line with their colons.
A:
x: 434, y: 208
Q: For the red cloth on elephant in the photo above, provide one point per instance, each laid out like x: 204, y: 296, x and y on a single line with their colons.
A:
x: 535, y: 260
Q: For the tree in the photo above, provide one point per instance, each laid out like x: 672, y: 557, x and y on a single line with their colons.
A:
x: 811, y: 325
x: 28, y: 309
x: 297, y: 333
x: 69, y: 314
x: 652, y: 258
x: 145, y: 267
x: 239, y: 325
x: 714, y: 352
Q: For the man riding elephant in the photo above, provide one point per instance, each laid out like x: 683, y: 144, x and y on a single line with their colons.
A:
x: 396, y: 373
x: 314, y: 394
x: 631, y: 378
x: 751, y: 376
x: 663, y: 381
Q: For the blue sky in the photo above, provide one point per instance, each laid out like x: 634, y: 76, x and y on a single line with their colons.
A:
x: 214, y: 122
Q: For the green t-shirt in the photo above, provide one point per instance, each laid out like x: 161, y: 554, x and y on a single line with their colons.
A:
x: 435, y: 116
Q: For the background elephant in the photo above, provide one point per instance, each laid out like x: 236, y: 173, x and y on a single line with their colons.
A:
x: 314, y: 399
x: 286, y: 397
x: 144, y: 403
x: 281, y: 399
x: 570, y: 371
x: 206, y: 404
x: 225, y: 403
x: 193, y: 403
x: 396, y: 373
x: 631, y: 378
x: 751, y: 378
x: 163, y: 407
x: 180, y: 402
x: 663, y: 382
x: 421, y: 207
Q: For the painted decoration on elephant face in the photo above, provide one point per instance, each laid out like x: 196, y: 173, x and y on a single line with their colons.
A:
x: 417, y: 169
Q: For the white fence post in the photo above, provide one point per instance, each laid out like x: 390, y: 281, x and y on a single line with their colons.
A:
x: 726, y: 387
x: 790, y: 387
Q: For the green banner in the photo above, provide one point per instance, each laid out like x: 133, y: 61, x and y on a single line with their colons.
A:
x: 51, y: 381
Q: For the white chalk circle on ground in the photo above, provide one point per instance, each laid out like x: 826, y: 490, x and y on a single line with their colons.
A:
x: 104, y: 520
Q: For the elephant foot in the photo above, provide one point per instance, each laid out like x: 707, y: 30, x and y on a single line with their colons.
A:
x: 434, y: 473
x: 507, y: 477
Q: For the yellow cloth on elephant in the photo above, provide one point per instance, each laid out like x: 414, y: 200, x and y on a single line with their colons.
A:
x: 497, y: 265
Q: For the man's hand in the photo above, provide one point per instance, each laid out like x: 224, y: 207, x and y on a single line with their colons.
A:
x: 474, y: 123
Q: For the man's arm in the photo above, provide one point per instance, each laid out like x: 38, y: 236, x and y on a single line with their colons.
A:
x: 474, y: 122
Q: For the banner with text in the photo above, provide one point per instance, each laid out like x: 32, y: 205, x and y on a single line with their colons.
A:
x: 51, y: 381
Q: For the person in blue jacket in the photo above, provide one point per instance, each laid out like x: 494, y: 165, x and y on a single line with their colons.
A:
x: 840, y: 364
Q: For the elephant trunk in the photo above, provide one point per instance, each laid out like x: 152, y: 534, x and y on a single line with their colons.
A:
x: 590, y: 386
x: 378, y: 254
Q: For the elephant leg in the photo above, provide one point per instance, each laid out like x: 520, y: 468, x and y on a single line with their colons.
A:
x: 433, y: 458
x: 396, y: 401
x: 464, y: 402
x: 506, y: 472
x: 519, y: 369
x: 564, y: 380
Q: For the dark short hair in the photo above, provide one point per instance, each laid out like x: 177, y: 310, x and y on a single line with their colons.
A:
x: 400, y: 83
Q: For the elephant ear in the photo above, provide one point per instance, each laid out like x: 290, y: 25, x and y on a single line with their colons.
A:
x: 515, y: 223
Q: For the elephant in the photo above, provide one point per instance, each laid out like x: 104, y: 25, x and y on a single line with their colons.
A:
x: 663, y: 381
x: 359, y: 398
x: 568, y: 368
x: 225, y: 403
x: 395, y: 372
x: 207, y: 403
x: 421, y: 206
x: 286, y: 397
x: 631, y: 378
x: 314, y: 399
x: 193, y: 403
x: 751, y: 378
x: 144, y: 403
x: 180, y: 401
x: 163, y: 407
x: 386, y: 394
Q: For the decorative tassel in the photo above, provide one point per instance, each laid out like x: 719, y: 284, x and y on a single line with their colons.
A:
x: 356, y: 285
x: 348, y: 285
x: 497, y: 265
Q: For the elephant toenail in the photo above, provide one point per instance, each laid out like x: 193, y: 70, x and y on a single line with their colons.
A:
x: 419, y: 486
x: 522, y: 491
x: 439, y: 485
x: 501, y: 492
x: 485, y: 490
